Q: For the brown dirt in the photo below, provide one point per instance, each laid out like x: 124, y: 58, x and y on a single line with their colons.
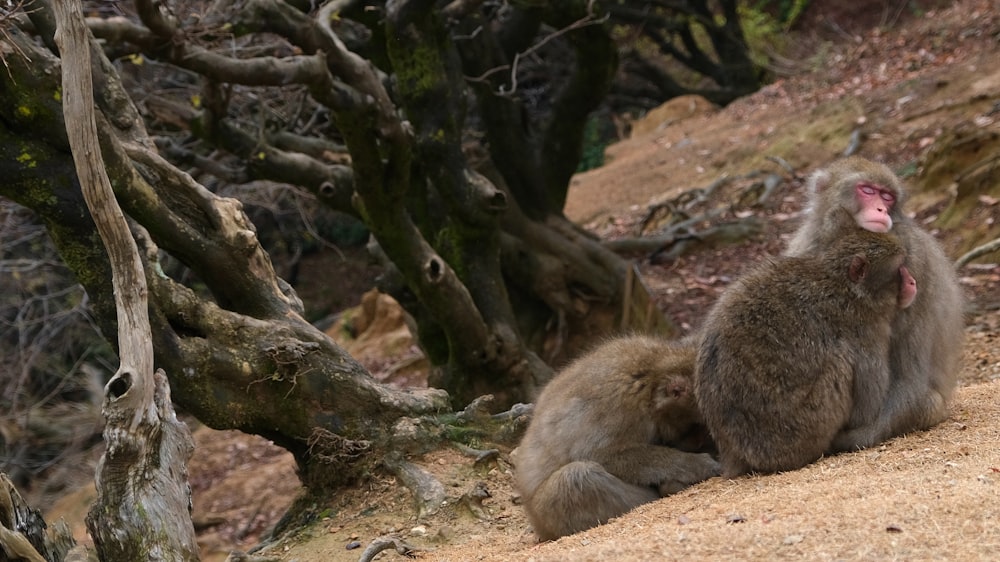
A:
x: 929, y: 495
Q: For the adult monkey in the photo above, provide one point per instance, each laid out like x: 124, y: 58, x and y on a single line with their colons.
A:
x: 926, y: 344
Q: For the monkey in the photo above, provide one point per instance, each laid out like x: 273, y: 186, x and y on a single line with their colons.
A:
x: 601, y: 439
x: 927, y: 338
x: 792, y: 344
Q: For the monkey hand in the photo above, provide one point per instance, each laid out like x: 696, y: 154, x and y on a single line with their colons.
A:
x: 694, y: 468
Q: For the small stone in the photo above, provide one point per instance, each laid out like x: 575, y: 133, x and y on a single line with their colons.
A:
x: 793, y: 539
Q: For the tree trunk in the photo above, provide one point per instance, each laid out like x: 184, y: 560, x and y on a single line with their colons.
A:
x: 243, y: 358
x: 682, y: 33
x: 143, y: 497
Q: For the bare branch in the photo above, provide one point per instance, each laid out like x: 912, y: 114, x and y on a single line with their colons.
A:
x: 589, y: 19
x: 978, y: 251
x: 135, y: 345
x: 143, y: 493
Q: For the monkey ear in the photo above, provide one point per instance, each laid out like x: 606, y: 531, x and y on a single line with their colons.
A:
x: 675, y: 387
x: 678, y: 390
x: 858, y: 268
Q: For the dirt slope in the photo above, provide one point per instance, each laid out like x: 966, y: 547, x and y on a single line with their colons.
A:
x: 932, y: 495
x: 929, y: 495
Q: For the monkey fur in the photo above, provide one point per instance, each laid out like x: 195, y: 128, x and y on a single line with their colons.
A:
x: 789, y: 346
x: 927, y: 337
x: 602, y: 438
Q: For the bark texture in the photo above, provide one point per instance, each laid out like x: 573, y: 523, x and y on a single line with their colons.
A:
x: 23, y: 532
x: 471, y: 231
x: 143, y: 507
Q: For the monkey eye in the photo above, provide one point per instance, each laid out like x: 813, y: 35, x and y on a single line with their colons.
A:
x: 871, y: 189
x: 867, y: 188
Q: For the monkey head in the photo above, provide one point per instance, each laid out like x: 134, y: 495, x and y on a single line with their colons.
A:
x: 869, y: 190
x: 875, y: 254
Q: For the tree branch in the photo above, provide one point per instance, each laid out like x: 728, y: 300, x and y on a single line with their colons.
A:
x: 134, y: 345
x: 978, y: 251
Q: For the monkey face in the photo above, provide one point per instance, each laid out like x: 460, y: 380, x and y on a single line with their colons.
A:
x: 874, y: 204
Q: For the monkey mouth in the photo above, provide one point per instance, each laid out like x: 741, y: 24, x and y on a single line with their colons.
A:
x: 882, y: 226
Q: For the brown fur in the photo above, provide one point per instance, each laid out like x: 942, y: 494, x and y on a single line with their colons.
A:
x: 786, y: 346
x: 927, y: 337
x: 599, y: 442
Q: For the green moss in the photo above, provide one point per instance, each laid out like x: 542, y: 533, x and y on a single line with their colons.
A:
x: 762, y: 31
x: 827, y: 131
x: 593, y: 146
x: 447, y: 241
x: 36, y: 192
x: 31, y: 109
x: 81, y: 255
x: 423, y: 78
x: 418, y: 69
x: 27, y: 159
x: 787, y: 12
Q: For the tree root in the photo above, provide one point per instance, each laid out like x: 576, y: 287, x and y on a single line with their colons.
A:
x: 473, y: 501
x: 978, y: 251
x: 672, y: 245
x: 724, y: 212
x: 481, y: 456
x: 420, y: 435
x: 386, y: 542
x: 428, y: 492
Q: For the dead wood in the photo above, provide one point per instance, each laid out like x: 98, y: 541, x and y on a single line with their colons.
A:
x: 144, y: 500
x: 672, y: 245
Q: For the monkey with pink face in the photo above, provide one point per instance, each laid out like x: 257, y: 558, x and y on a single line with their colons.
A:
x: 926, y: 338
x: 796, y: 351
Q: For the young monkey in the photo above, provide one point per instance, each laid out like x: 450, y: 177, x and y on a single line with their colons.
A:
x: 600, y: 440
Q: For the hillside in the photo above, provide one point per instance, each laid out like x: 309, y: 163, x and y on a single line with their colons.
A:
x: 910, y: 90
x: 918, y: 89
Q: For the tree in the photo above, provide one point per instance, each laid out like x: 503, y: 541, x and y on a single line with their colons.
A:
x: 410, y: 116
x: 143, y: 491
x: 704, y: 37
x: 462, y: 247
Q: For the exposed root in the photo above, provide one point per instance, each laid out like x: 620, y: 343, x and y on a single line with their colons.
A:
x: 385, y: 543
x: 326, y: 446
x: 428, y: 492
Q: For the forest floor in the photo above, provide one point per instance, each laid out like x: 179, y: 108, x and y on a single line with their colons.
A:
x: 908, y: 81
